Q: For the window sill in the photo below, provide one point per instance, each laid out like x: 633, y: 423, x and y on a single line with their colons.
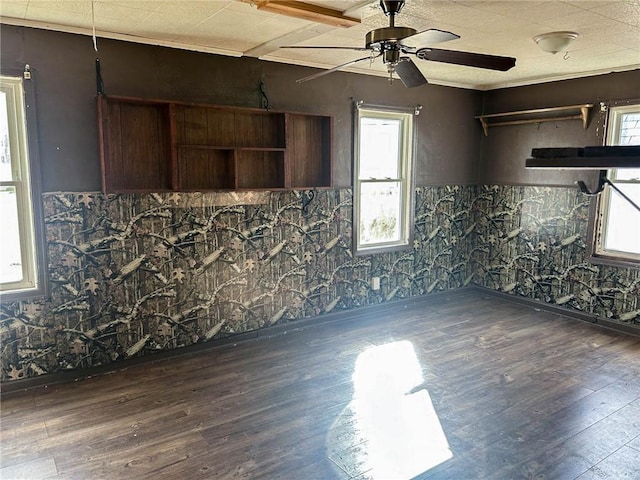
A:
x: 613, y: 261
x: 382, y: 249
x: 24, y: 294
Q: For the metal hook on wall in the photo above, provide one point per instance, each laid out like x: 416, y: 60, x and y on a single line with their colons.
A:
x: 602, y: 182
x: 99, y: 81
x: 306, y: 197
x: 264, y: 98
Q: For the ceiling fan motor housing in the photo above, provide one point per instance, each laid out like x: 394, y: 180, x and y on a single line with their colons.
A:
x: 381, y: 36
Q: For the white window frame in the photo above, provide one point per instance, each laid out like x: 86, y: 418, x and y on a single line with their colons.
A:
x: 24, y: 169
x: 406, y: 155
x: 600, y: 254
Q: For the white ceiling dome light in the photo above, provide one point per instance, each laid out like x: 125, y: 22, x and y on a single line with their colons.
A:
x: 554, y: 42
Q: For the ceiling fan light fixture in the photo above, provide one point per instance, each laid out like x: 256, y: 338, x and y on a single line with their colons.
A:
x: 554, y: 42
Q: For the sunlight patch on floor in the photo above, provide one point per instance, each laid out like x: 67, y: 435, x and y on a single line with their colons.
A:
x: 390, y: 429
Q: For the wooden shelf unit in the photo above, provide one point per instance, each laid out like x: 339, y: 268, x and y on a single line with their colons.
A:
x: 149, y: 145
x: 538, y: 115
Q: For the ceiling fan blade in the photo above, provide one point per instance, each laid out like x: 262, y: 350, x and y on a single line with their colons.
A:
x: 409, y: 73
x: 325, y: 72
x: 479, y: 60
x: 428, y: 37
x: 326, y: 47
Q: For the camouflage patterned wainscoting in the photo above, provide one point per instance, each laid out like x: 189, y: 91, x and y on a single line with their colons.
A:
x: 530, y: 241
x: 134, y: 274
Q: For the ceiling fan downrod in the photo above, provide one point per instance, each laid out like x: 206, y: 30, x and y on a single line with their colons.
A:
x: 391, y: 8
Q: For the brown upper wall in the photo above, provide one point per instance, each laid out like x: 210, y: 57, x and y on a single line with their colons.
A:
x: 505, y: 149
x: 64, y: 75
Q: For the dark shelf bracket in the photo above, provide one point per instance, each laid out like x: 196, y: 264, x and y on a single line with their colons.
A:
x: 602, y: 182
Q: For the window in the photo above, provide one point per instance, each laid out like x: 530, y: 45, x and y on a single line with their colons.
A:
x: 617, y: 227
x: 383, y: 187
x: 21, y: 257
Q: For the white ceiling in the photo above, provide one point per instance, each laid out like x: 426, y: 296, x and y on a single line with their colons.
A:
x: 609, y: 32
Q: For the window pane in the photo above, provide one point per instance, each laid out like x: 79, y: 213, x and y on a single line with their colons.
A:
x: 380, y: 217
x: 629, y: 135
x: 623, y: 222
x: 627, y: 174
x: 379, y: 148
x: 10, y: 259
x: 5, y: 154
x: 630, y: 129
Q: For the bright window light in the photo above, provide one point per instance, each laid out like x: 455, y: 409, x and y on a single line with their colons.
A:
x: 18, y: 263
x: 620, y: 221
x: 382, y: 180
x: 394, y: 414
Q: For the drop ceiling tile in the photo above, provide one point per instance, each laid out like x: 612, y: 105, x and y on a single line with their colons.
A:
x: 466, y: 3
x: 544, y: 11
x: 164, y: 26
x: 590, y: 4
x: 332, y: 40
x: 118, y: 14
x: 427, y: 9
x: 627, y: 39
x: 592, y: 51
x: 146, y: 5
x: 520, y: 33
x: 509, y: 9
x: 193, y: 11
x: 61, y: 5
x: 626, y: 12
x: 484, y: 21
x: 73, y: 18
x: 608, y: 60
x: 582, y: 20
x: 14, y: 9
x: 125, y: 26
x: 229, y: 30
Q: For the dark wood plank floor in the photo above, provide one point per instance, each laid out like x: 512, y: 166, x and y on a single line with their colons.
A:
x: 460, y: 386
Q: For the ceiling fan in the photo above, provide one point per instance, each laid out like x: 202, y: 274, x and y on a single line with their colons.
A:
x: 394, y: 43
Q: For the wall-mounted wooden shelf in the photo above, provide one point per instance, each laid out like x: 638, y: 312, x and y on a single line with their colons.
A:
x: 552, y: 114
x: 170, y: 146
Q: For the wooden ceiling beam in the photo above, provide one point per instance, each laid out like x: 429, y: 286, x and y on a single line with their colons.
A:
x: 306, y: 11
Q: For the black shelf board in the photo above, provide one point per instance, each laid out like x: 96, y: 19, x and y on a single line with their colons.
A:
x: 591, y: 158
x: 584, y: 163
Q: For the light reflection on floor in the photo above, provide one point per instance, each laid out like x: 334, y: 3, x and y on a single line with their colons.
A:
x: 392, y: 418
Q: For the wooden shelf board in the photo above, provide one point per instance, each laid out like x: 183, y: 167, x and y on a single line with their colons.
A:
x: 536, y: 111
x: 539, y: 115
x: 246, y: 149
